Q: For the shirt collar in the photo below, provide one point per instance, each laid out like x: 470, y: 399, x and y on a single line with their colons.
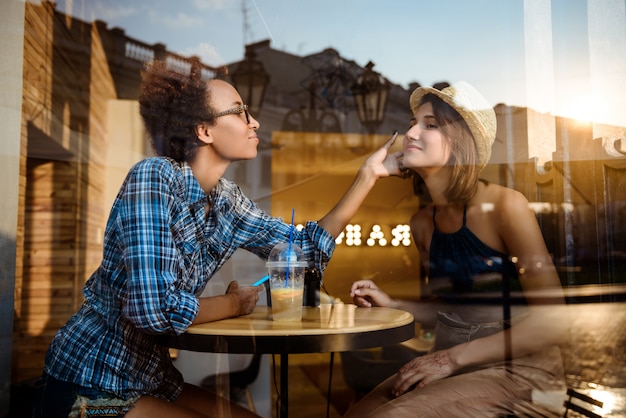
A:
x: 193, y: 191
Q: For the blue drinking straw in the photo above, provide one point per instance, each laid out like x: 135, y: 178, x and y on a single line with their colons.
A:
x: 293, y: 211
x: 261, y: 280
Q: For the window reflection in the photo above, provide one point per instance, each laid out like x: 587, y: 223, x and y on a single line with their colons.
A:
x: 81, y: 133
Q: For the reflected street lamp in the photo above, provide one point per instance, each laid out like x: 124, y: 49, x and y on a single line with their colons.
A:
x: 371, y: 91
x: 310, y: 120
x: 251, y: 80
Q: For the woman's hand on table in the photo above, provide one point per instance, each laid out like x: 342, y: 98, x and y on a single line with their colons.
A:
x: 366, y: 294
x: 422, y: 370
x: 245, y: 297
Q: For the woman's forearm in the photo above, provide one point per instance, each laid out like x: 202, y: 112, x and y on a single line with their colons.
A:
x: 379, y: 164
x: 214, y: 308
x: 336, y: 220
x: 544, y: 327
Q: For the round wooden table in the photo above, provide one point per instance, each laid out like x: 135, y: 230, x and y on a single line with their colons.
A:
x: 327, y: 328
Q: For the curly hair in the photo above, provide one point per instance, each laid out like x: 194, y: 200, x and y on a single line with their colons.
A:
x: 463, y: 154
x: 172, y: 105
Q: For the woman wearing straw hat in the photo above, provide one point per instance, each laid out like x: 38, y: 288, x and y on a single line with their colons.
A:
x: 174, y: 223
x: 475, y: 239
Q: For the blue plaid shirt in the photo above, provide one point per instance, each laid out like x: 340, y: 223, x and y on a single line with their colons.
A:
x: 160, y: 250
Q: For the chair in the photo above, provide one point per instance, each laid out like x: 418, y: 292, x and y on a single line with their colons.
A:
x: 237, y: 382
x: 571, y: 406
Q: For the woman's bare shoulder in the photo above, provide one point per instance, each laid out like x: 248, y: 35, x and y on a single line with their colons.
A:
x: 500, y: 205
x: 503, y: 198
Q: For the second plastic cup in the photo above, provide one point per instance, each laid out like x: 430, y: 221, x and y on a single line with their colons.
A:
x: 286, y: 270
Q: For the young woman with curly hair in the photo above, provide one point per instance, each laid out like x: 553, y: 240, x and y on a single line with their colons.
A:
x: 174, y: 223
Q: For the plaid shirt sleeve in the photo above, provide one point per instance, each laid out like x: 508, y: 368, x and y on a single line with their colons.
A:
x: 154, y: 300
x: 243, y: 224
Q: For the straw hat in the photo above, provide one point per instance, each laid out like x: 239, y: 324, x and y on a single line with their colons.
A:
x: 473, y: 108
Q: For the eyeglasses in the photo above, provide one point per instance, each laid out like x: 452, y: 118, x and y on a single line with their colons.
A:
x: 235, y: 111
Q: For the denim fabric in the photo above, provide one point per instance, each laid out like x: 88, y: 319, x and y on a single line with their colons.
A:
x: 451, y: 331
x: 58, y: 399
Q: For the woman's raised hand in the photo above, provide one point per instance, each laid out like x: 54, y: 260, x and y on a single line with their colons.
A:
x: 383, y: 163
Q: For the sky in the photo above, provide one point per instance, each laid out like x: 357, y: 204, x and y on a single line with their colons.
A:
x: 500, y: 46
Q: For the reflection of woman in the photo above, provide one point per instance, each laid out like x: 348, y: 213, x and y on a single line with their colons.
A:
x: 474, y: 238
x: 174, y: 223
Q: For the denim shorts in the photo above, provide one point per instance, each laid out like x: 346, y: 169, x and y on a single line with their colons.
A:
x: 58, y: 399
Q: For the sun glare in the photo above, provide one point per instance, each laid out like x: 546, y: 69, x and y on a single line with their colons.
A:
x: 586, y: 109
x: 606, y: 397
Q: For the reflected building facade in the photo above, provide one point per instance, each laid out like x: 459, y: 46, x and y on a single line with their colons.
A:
x: 81, y: 131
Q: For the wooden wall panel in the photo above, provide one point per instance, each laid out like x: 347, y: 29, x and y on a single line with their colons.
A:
x: 67, y: 84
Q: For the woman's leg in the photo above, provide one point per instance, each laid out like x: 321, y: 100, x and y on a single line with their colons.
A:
x: 484, y: 393
x: 193, y: 402
x: 381, y: 395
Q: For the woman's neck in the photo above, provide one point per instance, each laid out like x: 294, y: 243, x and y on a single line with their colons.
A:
x: 437, y: 182
x: 207, y: 169
x: 442, y: 202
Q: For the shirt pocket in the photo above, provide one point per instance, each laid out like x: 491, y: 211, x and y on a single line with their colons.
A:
x: 189, y: 249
